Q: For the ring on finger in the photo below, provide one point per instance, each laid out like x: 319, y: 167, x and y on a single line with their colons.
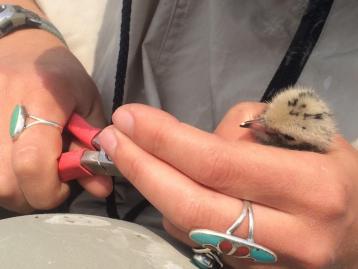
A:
x: 21, y: 120
x: 215, y: 244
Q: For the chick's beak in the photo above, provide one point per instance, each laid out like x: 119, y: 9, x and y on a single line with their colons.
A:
x: 255, y: 123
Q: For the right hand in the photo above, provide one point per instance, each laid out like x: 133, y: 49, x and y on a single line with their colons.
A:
x: 301, y: 200
x: 38, y: 72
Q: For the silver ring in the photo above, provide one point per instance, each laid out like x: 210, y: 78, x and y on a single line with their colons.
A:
x: 215, y: 244
x: 19, y: 118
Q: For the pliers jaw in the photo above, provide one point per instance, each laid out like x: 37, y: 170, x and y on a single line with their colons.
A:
x: 98, y: 163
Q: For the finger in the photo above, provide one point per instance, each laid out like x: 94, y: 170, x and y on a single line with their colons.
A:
x: 11, y: 196
x: 133, y: 162
x: 179, y: 234
x: 229, y: 129
x: 95, y: 115
x: 189, y: 205
x: 268, y: 175
x: 98, y: 186
x: 36, y: 151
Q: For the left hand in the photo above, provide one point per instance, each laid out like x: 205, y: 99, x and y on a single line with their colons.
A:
x: 305, y: 203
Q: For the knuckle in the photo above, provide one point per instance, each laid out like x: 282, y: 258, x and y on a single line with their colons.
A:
x: 159, y: 138
x: 192, y: 211
x: 217, y: 170
x: 135, y: 170
x: 321, y: 254
x: 54, y: 72
x: 339, y: 205
x: 195, y: 212
x: 46, y: 199
x: 10, y: 198
x: 7, y: 73
x: 31, y: 167
x: 26, y: 162
x: 47, y: 203
x: 336, y: 204
x: 5, y: 77
x: 244, y: 107
x: 7, y: 191
x: 23, y: 209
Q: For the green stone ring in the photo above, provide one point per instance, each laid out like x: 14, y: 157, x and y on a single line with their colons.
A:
x: 215, y: 244
x: 19, y: 121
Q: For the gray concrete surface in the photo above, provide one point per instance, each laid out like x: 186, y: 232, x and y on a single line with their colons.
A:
x: 59, y: 241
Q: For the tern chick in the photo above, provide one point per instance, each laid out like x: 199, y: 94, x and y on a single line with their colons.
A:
x: 296, y: 118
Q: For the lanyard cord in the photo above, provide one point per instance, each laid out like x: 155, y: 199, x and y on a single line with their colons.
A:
x: 122, y: 61
x: 123, y: 55
x: 300, y: 49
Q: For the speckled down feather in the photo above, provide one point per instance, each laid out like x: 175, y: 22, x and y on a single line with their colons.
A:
x: 297, y: 118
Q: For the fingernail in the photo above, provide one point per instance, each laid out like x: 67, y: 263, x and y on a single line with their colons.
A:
x: 108, y: 140
x: 123, y: 120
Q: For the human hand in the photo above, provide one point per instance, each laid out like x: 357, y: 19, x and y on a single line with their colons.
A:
x: 37, y: 71
x: 305, y: 203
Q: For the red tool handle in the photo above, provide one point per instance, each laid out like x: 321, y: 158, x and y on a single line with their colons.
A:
x: 69, y: 165
x: 81, y: 129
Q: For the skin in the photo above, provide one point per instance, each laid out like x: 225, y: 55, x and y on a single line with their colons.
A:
x: 305, y: 203
x: 39, y: 72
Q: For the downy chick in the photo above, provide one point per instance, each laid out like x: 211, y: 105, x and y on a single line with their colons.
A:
x: 296, y: 118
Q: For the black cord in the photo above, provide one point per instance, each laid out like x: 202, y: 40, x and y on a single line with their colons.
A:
x: 119, y: 87
x: 123, y: 55
x: 111, y: 205
x: 132, y: 214
x: 300, y: 49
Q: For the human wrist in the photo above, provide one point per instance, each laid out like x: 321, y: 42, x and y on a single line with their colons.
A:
x: 27, y: 46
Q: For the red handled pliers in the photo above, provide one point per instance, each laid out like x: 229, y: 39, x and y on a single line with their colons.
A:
x: 88, y: 161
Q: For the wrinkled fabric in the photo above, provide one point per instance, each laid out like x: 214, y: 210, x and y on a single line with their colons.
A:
x: 199, y: 58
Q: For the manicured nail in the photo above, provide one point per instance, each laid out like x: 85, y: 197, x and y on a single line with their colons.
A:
x: 123, y: 120
x: 108, y: 140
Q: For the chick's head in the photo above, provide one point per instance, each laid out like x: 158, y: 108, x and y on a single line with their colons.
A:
x: 297, y: 118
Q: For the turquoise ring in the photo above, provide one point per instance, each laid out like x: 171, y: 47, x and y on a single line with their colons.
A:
x: 214, y: 244
x: 21, y: 120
